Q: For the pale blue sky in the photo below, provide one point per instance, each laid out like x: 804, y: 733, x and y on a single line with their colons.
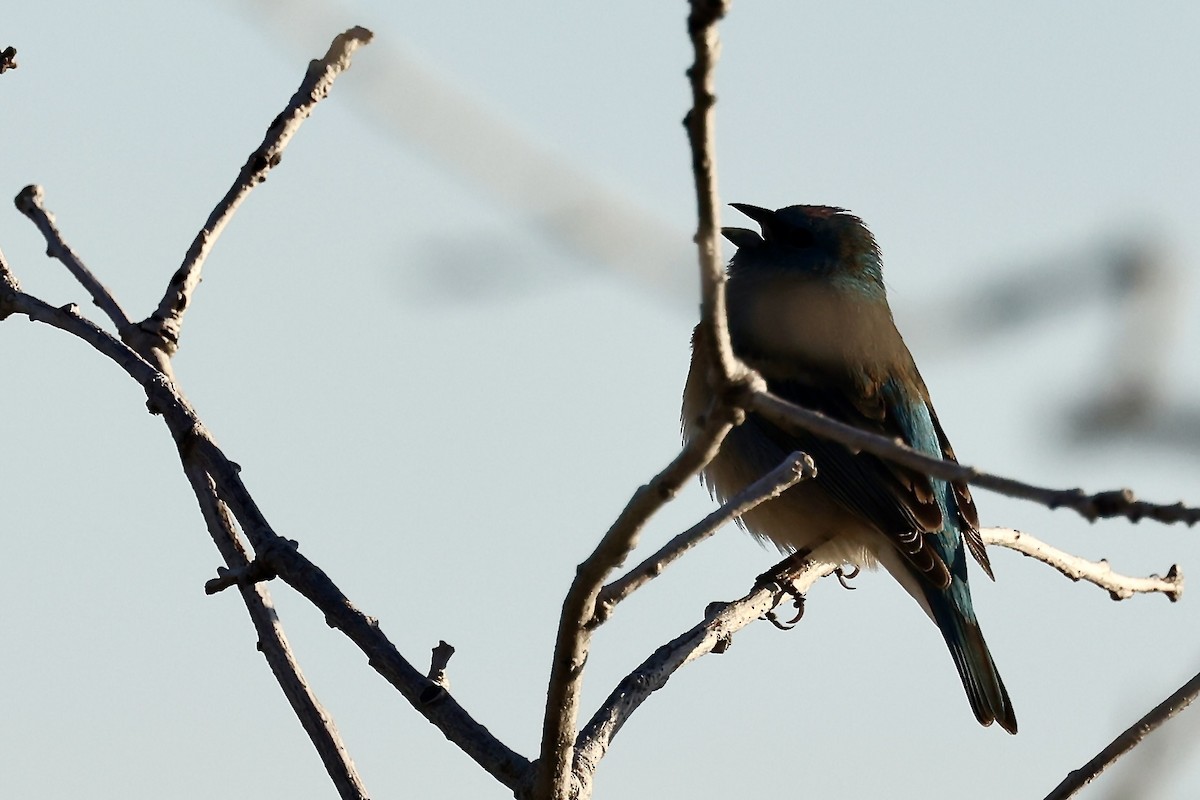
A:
x: 446, y: 406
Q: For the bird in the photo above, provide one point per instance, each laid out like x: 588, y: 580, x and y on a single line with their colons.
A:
x: 807, y: 309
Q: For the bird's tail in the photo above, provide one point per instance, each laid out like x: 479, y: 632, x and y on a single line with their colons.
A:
x: 986, y: 692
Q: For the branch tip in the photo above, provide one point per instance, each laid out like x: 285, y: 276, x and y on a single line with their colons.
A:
x: 256, y: 571
x: 166, y: 323
x: 795, y: 468
x: 1099, y: 573
x: 31, y: 201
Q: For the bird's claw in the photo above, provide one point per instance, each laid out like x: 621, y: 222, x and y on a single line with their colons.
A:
x: 771, y: 617
x: 844, y: 577
x: 797, y: 603
x: 778, y: 579
x: 774, y: 620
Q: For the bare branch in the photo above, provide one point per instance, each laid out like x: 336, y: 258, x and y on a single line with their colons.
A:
x: 166, y: 323
x: 148, y: 364
x: 31, y: 202
x: 1120, y: 587
x: 273, y: 644
x: 796, y: 468
x: 720, y: 622
x: 1129, y: 738
x: 554, y: 779
x: 700, y: 121
x: 194, y: 442
x: 1116, y: 503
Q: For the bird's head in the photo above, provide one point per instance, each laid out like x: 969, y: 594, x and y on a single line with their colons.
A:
x: 817, y: 241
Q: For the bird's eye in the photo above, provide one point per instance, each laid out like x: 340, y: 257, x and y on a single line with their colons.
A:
x: 795, y: 236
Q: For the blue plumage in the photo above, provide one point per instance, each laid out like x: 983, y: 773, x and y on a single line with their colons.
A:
x: 808, y: 309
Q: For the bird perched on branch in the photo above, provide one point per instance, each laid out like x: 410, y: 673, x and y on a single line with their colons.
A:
x: 807, y: 309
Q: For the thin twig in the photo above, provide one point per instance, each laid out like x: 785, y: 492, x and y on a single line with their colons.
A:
x: 1119, y: 587
x: 1117, y: 503
x: 31, y: 202
x: 554, y: 779
x: 166, y: 323
x: 1127, y: 740
x: 700, y: 123
x: 720, y: 623
x: 797, y: 467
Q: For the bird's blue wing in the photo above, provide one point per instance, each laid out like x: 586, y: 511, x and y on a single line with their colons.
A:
x: 900, y: 502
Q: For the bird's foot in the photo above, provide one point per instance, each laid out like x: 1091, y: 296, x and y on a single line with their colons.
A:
x: 779, y: 577
x: 780, y: 574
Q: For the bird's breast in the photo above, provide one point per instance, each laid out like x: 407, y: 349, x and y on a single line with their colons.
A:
x: 809, y: 324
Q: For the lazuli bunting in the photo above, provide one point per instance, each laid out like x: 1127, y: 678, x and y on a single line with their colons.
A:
x: 807, y: 309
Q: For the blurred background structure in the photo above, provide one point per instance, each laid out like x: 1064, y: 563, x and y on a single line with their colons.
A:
x: 446, y: 340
